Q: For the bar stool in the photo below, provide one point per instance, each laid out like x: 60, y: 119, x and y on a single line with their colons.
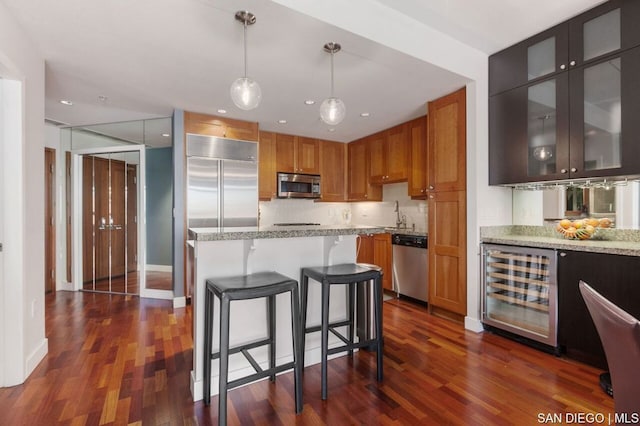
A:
x: 349, y: 274
x: 259, y: 285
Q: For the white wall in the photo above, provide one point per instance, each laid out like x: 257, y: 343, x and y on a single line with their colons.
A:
x: 23, y: 293
x: 485, y: 205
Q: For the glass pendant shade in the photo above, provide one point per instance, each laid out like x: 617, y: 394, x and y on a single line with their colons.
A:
x: 245, y: 93
x: 332, y: 111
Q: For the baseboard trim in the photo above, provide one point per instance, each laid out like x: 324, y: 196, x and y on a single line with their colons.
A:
x: 159, y: 268
x: 36, y: 356
x: 179, y: 302
x: 473, y: 324
x: 64, y: 286
x: 156, y: 294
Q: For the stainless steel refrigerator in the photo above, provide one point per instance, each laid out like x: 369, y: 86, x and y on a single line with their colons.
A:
x: 222, y: 182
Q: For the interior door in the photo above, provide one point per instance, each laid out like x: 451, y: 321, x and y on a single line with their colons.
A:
x: 49, y: 220
x: 109, y: 209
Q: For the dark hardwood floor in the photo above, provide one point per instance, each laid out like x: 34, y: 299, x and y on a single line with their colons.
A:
x: 130, y: 283
x: 116, y: 359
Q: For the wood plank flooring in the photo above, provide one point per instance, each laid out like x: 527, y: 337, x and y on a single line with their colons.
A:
x: 116, y: 359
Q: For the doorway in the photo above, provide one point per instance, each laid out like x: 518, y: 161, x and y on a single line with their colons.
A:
x: 108, y: 202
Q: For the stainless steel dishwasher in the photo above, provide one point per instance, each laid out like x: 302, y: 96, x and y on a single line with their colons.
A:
x: 410, y: 270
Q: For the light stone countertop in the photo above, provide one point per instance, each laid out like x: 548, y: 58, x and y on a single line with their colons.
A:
x: 256, y: 232
x: 610, y: 241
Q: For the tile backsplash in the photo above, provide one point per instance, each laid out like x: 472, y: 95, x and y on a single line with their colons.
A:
x: 379, y: 213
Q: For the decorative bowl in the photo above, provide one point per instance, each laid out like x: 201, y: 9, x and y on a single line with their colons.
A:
x: 582, y: 229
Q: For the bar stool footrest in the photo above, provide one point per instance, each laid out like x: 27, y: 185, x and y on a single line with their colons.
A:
x: 260, y: 375
x: 243, y: 347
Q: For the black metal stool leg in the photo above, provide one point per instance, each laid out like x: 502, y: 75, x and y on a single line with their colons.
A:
x: 325, y: 337
x: 304, y: 292
x: 271, y: 321
x: 377, y: 293
x: 351, y: 295
x: 208, y: 317
x: 224, y: 360
x: 296, y: 332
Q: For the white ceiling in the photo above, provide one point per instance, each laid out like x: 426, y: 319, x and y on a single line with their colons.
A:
x: 148, y: 57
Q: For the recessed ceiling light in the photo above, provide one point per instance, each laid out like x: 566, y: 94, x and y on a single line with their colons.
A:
x: 332, y: 129
x: 282, y: 121
x: 309, y: 102
x: 222, y: 111
x: 102, y: 98
x: 166, y: 135
x: 364, y: 114
x: 66, y: 102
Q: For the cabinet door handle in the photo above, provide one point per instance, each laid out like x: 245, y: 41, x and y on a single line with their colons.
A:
x: 563, y: 254
x: 430, y: 186
x: 563, y: 66
x: 563, y: 170
x: 573, y: 170
x: 572, y: 63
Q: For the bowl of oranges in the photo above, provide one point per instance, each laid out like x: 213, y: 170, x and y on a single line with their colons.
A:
x: 582, y: 229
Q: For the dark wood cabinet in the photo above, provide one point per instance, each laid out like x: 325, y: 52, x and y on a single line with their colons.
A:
x: 562, y: 103
x: 614, y: 276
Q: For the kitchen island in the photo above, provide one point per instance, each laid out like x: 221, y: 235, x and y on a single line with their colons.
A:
x: 238, y: 251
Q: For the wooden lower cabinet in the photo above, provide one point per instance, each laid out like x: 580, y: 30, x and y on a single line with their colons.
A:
x: 448, y: 253
x: 376, y: 249
x: 613, y: 276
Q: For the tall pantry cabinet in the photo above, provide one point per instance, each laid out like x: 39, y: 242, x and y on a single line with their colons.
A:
x: 447, y: 206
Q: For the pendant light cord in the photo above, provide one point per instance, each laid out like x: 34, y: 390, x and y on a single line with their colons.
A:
x: 332, y: 74
x: 245, y: 48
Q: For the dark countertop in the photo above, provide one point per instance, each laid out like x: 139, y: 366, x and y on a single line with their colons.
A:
x: 256, y: 232
x: 623, y: 242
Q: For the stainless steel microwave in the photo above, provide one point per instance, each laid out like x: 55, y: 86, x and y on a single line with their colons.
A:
x: 294, y: 185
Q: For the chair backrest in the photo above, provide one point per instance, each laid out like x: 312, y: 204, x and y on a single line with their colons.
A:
x: 620, y: 336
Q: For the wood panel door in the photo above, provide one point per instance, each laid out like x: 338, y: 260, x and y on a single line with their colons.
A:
x: 447, y: 251
x: 307, y: 156
x: 110, y: 210
x: 377, y: 149
x: 50, y: 220
x: 285, y: 153
x: 447, y: 142
x: 418, y: 169
x: 132, y: 218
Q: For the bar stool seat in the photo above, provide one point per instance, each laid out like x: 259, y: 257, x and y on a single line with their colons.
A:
x: 259, y: 285
x: 348, y: 274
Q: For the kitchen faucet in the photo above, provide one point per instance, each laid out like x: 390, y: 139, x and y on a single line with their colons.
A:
x: 401, y: 219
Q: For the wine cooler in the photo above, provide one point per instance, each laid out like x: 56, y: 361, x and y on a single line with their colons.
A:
x: 519, y: 292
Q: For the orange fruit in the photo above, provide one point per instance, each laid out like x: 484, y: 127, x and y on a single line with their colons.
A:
x: 578, y: 224
x: 565, y: 223
x: 593, y: 221
x: 605, y: 222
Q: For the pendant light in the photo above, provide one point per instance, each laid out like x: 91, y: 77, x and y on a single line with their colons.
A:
x: 245, y: 92
x: 332, y: 110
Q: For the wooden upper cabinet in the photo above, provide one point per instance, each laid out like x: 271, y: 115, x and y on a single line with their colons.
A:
x: 203, y: 124
x: 297, y: 154
x: 333, y: 157
x: 359, y: 187
x: 389, y: 155
x: 447, y: 143
x: 285, y: 153
x: 267, y: 166
x: 418, y: 169
x: 398, y: 148
x: 377, y: 148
